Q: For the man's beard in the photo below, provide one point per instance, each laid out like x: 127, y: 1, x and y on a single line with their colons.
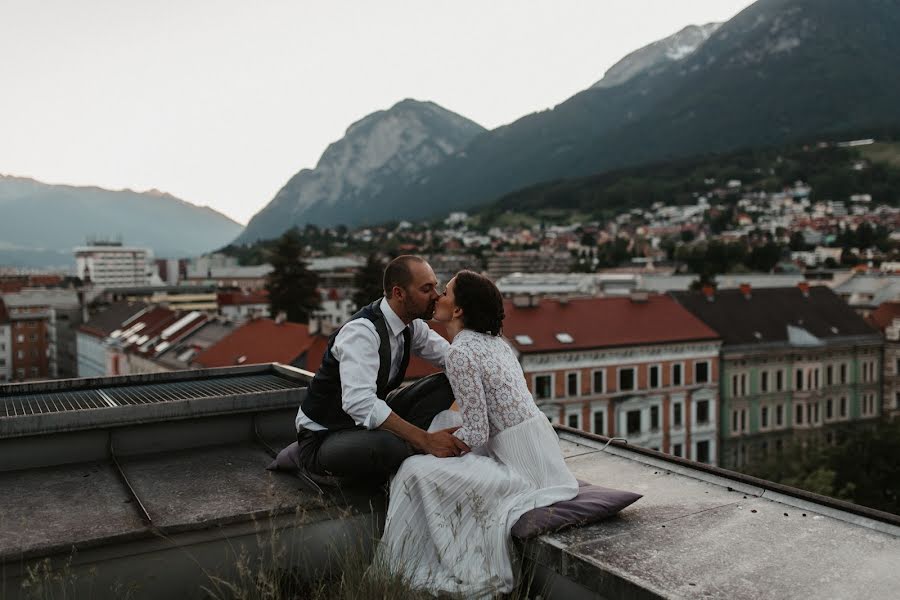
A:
x: 413, y: 311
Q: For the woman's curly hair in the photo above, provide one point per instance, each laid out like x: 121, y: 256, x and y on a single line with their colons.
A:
x: 480, y: 301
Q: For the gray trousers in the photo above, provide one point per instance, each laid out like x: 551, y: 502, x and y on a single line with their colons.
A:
x: 370, y: 456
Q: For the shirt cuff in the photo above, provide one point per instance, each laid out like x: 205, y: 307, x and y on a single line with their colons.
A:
x: 378, y: 415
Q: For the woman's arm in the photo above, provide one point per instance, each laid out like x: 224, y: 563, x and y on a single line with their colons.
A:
x: 465, y: 379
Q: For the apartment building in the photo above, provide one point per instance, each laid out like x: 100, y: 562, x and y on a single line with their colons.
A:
x: 794, y: 360
x: 639, y: 367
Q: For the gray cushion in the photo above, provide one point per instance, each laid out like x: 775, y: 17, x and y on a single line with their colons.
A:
x: 593, y: 503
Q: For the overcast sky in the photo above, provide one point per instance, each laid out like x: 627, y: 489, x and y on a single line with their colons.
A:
x: 219, y: 102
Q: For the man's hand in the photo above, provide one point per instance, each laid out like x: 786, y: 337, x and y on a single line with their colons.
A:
x: 443, y: 443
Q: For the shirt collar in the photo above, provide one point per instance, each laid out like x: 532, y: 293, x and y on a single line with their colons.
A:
x: 393, y: 321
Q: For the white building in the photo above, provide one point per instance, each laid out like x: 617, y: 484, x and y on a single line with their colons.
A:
x: 111, y: 265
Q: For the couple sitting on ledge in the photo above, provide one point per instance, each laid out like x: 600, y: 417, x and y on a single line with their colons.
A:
x: 460, y: 478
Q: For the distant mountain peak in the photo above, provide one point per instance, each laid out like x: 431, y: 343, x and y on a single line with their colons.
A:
x: 395, y: 144
x: 674, y: 48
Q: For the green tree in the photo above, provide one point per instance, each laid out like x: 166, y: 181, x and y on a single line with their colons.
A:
x: 369, y: 282
x: 292, y: 287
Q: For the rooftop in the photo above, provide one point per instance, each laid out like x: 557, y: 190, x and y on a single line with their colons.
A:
x: 258, y: 341
x: 112, y: 317
x: 777, y: 316
x: 601, y: 322
x: 169, y: 479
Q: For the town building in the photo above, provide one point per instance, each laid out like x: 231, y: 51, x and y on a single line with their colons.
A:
x: 176, y: 297
x: 639, y: 367
x: 5, y: 344
x: 111, y: 265
x: 866, y: 292
x: 242, y: 305
x: 91, y: 337
x: 29, y: 341
x: 135, y: 347
x: 527, y: 261
x: 886, y: 319
x: 794, y: 360
x: 63, y: 307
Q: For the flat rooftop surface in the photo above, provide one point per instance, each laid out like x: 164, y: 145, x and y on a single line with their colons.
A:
x: 699, y: 535
x: 52, y: 509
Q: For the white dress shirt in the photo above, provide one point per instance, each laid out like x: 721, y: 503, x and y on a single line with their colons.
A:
x: 356, y: 349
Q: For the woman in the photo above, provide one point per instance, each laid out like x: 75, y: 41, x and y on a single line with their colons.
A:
x: 448, y: 521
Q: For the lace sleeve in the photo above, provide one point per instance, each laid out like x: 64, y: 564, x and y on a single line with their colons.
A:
x: 465, y: 379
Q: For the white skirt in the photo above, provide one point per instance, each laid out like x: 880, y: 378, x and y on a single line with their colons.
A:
x: 448, y: 521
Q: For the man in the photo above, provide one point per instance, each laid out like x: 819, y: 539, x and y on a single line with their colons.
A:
x: 347, y: 425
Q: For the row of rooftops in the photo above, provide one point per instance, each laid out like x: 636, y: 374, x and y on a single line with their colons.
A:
x: 782, y: 317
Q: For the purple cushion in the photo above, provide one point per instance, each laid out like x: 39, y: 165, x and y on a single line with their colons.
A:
x: 593, y: 503
x: 287, y: 460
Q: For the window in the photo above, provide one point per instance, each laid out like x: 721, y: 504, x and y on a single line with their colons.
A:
x: 34, y: 371
x: 626, y: 379
x: 843, y: 411
x: 735, y: 385
x: 598, y: 423
x: 633, y: 422
x: 653, y: 376
x: 32, y: 337
x: 543, y: 387
x: 702, y: 412
x: 829, y: 409
x: 798, y: 380
x: 20, y: 354
x: 599, y: 382
x: 779, y: 380
x: 815, y: 418
x: 829, y: 375
x: 764, y: 417
x: 677, y: 375
x: 676, y: 450
x: 798, y: 420
x: 676, y: 414
x: 20, y: 338
x: 703, y: 451
x: 572, y: 384
x: 701, y: 371
x: 734, y: 421
x: 764, y: 381
x: 20, y: 373
x: 654, y: 418
x: 779, y: 415
x: 843, y: 372
x: 572, y: 421
x: 2, y: 362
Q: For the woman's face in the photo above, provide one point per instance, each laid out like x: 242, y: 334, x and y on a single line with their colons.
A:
x: 446, y: 305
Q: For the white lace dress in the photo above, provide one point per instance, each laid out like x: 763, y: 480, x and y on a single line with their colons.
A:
x: 448, y: 521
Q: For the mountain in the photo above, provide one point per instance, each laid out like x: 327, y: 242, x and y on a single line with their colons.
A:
x: 656, y: 55
x: 778, y: 72
x: 387, y: 148
x: 42, y: 223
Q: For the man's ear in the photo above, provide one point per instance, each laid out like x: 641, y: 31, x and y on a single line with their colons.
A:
x: 398, y: 292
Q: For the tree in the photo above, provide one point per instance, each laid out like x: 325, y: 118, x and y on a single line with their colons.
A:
x: 292, y: 287
x: 369, y: 282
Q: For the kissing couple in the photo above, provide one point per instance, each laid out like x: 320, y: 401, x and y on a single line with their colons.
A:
x: 467, y: 452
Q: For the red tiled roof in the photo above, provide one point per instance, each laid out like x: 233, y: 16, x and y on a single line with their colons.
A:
x: 154, y: 320
x: 602, y: 322
x: 884, y: 315
x: 241, y: 298
x: 258, y: 341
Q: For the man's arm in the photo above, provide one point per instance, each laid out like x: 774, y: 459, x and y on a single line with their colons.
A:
x: 356, y: 347
x: 428, y: 344
x: 441, y: 443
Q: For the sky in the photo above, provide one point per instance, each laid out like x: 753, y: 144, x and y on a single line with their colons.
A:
x: 220, y: 102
